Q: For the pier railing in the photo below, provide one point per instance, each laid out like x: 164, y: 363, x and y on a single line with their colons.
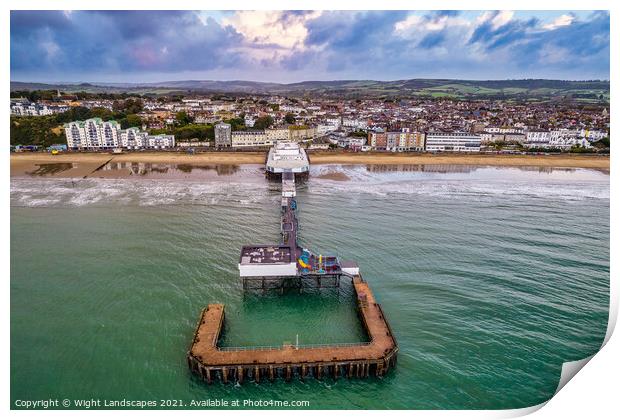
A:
x: 300, y: 346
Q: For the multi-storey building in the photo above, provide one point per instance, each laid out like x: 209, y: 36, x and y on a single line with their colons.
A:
x: 97, y: 134
x: 396, y: 141
x: 23, y: 107
x: 537, y: 136
x: 254, y: 138
x: 249, y: 121
x: 453, y: 142
x: 411, y: 141
x: 277, y: 134
x: 109, y: 134
x: 76, y: 135
x: 301, y: 132
x: 223, y: 135
x: 377, y: 140
x: 160, y: 141
x: 132, y: 138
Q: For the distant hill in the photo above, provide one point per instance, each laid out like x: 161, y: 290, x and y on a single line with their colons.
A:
x: 524, y: 89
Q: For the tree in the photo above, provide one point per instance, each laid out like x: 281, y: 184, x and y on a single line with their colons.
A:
x: 289, y: 118
x: 40, y: 130
x: 263, y: 122
x: 236, y: 124
x: 182, y: 118
x: 78, y: 113
x: 103, y: 113
x: 131, y: 120
x: 133, y: 106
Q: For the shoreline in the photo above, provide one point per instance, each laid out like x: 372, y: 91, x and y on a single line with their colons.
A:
x: 85, y: 164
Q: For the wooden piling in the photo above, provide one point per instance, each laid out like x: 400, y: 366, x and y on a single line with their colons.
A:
x: 376, y: 357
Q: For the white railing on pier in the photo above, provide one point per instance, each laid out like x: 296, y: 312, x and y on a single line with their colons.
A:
x: 300, y: 346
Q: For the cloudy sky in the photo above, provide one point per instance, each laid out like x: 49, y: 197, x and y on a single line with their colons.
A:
x: 290, y: 46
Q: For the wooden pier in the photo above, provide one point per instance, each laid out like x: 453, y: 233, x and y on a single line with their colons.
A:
x: 236, y: 365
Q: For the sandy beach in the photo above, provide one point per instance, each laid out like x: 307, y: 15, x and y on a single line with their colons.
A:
x: 564, y: 161
x: 79, y: 165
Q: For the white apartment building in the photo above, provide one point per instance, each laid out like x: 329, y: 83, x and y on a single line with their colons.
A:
x: 591, y: 135
x: 503, y: 130
x: 74, y: 132
x: 322, y: 129
x: 97, y: 134
x: 109, y: 134
x: 452, y: 142
x: 25, y: 108
x: 249, y: 121
x: 355, y: 123
x: 132, y: 138
x: 486, y: 138
x: 537, y: 136
x: 160, y: 141
x: 335, y: 121
x: 566, y: 143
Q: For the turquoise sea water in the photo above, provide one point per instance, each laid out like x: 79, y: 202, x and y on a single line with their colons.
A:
x: 491, y: 278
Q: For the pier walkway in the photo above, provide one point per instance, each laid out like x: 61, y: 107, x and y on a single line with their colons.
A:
x: 274, y: 266
x: 211, y: 362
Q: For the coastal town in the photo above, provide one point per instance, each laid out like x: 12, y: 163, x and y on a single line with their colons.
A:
x: 202, y: 122
x: 327, y: 209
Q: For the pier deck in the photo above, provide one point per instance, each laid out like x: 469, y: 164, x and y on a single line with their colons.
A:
x: 264, y: 264
x: 210, y: 362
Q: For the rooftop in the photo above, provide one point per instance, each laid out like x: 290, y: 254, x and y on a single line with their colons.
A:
x: 265, y: 254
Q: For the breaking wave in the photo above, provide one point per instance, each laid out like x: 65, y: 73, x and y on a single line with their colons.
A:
x: 28, y: 192
x: 568, y: 184
x: 474, y: 183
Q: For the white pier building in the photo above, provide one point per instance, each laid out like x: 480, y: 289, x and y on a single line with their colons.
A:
x: 287, y: 157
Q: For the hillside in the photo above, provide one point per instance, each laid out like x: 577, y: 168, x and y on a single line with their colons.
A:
x: 525, y: 89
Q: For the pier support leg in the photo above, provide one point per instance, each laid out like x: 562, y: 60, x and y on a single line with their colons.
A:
x: 303, y: 371
x: 225, y: 375
x: 271, y: 377
x: 336, y: 369
x: 257, y: 374
x: 288, y: 374
x: 319, y: 372
x: 379, y: 372
x: 209, y: 376
x: 240, y: 374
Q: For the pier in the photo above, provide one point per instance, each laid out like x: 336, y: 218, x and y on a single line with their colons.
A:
x: 289, y: 265
x: 238, y: 364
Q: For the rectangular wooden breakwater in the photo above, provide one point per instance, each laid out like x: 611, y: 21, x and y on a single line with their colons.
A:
x: 375, y: 358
